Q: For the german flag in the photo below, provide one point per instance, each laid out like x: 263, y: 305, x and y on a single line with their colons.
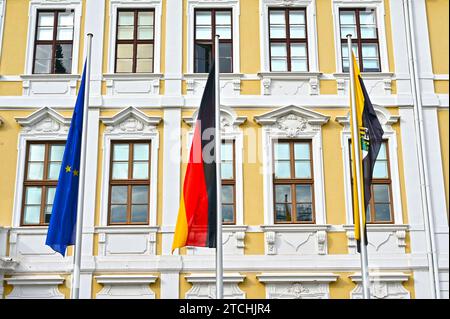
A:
x: 197, y: 216
x: 370, y: 140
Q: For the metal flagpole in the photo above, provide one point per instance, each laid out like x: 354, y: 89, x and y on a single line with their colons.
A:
x: 359, y: 181
x: 219, y: 248
x: 78, y: 242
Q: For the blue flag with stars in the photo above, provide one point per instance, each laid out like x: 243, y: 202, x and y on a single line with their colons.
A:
x: 62, y: 226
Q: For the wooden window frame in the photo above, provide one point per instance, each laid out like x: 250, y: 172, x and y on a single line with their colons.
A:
x: 213, y: 35
x: 135, y: 40
x: 45, y: 183
x: 288, y: 39
x: 231, y: 182
x: 359, y: 41
x: 130, y: 182
x: 293, y: 182
x: 377, y: 181
x: 54, y: 42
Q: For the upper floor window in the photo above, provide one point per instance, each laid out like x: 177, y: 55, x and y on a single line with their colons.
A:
x: 228, y: 182
x: 362, y: 25
x: 54, y: 42
x: 129, y: 183
x: 135, y: 41
x: 288, y: 39
x: 208, y: 23
x: 293, y: 182
x: 43, y: 163
x: 380, y: 206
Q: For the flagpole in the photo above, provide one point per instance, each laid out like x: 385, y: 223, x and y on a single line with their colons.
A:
x: 359, y: 182
x: 218, y: 139
x: 80, y: 208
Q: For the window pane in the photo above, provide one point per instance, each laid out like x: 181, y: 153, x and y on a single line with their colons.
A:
x: 282, y: 169
x: 302, y: 169
x: 144, y: 65
x: 118, y: 213
x: 43, y: 51
x: 283, y: 212
x: 35, y: 171
x: 63, y: 63
x: 283, y: 194
x: 37, y: 152
x: 50, y: 195
x: 140, y: 152
x: 124, y: 65
x: 125, y: 32
x: 304, y: 212
x: 370, y: 50
x: 126, y: 18
x: 140, y: 170
x: 139, y: 194
x: 203, y: 56
x: 297, y: 32
x: 348, y: 24
x: 32, y: 215
x: 145, y: 33
x: 228, y: 213
x: 368, y: 32
x: 303, y: 193
x: 224, y: 32
x: 125, y: 51
x: 299, y: 65
x: 45, y: 33
x: 223, y: 18
x: 119, y: 194
x: 382, y: 155
x: 347, y: 17
x: 367, y: 17
x: 203, y: 18
x: 380, y: 170
x: 63, y: 66
x: 65, y: 19
x: 33, y: 195
x: 42, y: 66
x: 226, y: 151
x: 277, y: 24
x: 227, y: 194
x: 145, y: 18
x: 227, y: 170
x: 223, y: 24
x: 139, y: 213
x: 120, y: 170
x: 296, y: 17
x: 279, y: 64
x: 277, y: 31
x: 382, y: 212
x: 46, y: 19
x: 56, y: 152
x: 282, y: 151
x: 381, y: 194
x: 53, y: 170
x: 225, y: 55
x: 120, y: 152
x: 298, y: 50
x: 48, y: 213
x: 301, y: 151
x: 65, y: 33
x: 144, y: 51
x: 63, y: 51
x: 203, y: 32
x: 278, y: 50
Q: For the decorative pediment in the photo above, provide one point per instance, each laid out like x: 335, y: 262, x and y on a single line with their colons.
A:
x: 204, y: 286
x: 286, y: 3
x: 44, y: 120
x: 130, y: 120
x: 387, y: 285
x: 384, y: 116
x: 228, y: 119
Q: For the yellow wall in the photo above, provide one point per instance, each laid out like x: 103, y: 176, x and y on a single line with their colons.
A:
x: 443, y: 120
x: 438, y: 30
x: 325, y: 34
x: 249, y: 36
x: 252, y: 287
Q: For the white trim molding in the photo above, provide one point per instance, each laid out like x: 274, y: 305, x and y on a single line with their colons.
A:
x: 132, y: 84
x: 230, y: 84
x: 204, y: 286
x: 214, y: 4
x: 51, y: 84
x: 297, y: 285
x: 2, y: 22
x: 135, y: 4
x: 126, y: 286
x: 290, y: 83
x: 378, y: 6
x: 293, y: 122
x: 130, y: 124
x: 383, y: 285
x: 35, y: 287
x: 310, y: 6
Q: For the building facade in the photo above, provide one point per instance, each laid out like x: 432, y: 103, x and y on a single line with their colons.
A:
x: 286, y: 181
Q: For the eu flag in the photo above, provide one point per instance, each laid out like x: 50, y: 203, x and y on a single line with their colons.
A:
x: 62, y: 227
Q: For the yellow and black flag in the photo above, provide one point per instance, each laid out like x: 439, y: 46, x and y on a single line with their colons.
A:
x: 370, y: 137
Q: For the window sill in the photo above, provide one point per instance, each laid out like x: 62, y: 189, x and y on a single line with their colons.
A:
x: 132, y: 83
x: 49, y: 84
x: 290, y: 83
x: 380, y: 227
x: 127, y: 229
x: 188, y: 76
x: 366, y: 75
x: 132, y: 76
x: 289, y: 75
x: 231, y: 85
x: 295, y: 228
x: 49, y: 77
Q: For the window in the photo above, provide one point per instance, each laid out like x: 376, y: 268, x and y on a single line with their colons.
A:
x: 135, y: 41
x: 129, y: 183
x: 288, y: 40
x: 380, y: 206
x: 228, y: 182
x: 293, y: 182
x: 208, y: 23
x: 361, y: 24
x: 53, y: 42
x: 43, y: 163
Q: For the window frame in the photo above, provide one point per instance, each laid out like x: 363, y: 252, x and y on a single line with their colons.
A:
x: 134, y: 41
x: 54, y: 42
x: 293, y: 182
x: 45, y: 183
x: 359, y: 40
x: 213, y: 35
x: 231, y: 182
x: 129, y: 182
x: 287, y: 40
